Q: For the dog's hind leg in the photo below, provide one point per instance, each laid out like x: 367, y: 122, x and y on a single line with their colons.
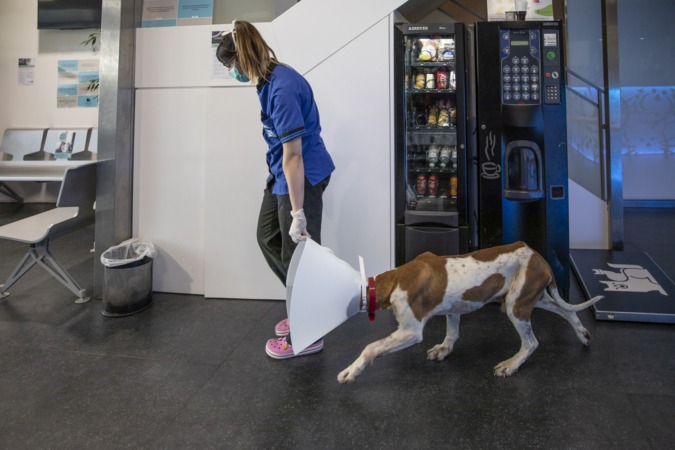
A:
x: 398, y: 340
x: 527, y: 346
x: 570, y: 316
x: 440, y: 351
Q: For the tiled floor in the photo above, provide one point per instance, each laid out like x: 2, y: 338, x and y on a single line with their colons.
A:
x: 191, y: 373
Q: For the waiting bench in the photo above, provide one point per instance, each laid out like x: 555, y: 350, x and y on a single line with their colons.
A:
x: 74, y: 209
x: 35, y: 154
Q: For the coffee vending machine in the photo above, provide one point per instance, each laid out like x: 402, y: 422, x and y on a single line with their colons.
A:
x: 522, y: 134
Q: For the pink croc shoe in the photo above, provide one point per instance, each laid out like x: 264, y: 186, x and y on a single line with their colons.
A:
x: 279, y: 349
x: 282, y: 328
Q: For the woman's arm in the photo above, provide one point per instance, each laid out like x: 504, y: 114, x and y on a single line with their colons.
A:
x: 294, y: 171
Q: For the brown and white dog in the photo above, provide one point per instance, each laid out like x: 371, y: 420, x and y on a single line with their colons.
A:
x: 514, y: 274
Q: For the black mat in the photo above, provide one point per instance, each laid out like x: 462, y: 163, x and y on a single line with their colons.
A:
x: 634, y: 286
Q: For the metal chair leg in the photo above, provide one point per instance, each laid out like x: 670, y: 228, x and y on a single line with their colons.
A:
x: 39, y: 254
x: 9, y: 192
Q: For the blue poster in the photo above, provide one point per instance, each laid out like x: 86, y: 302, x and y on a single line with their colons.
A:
x: 169, y: 13
x: 192, y: 9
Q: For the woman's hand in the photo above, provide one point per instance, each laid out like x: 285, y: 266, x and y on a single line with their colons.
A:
x: 298, y: 229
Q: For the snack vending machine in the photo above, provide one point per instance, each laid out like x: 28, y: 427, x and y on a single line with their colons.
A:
x: 431, y: 160
x: 522, y: 136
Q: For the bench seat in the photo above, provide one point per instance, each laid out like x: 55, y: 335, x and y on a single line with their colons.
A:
x: 36, y: 170
x: 35, y: 228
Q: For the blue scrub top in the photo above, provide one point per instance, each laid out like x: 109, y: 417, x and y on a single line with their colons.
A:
x: 289, y: 111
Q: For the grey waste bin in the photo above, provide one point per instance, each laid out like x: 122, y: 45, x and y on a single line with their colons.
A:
x: 127, y: 284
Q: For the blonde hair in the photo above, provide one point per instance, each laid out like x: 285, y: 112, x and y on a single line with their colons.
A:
x: 252, y: 52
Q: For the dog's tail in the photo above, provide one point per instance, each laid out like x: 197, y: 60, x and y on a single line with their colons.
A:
x: 554, y: 296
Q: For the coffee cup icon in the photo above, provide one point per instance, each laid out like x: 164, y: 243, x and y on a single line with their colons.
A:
x: 490, y: 170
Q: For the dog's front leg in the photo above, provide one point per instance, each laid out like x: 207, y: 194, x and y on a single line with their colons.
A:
x: 398, y: 340
x: 440, y: 351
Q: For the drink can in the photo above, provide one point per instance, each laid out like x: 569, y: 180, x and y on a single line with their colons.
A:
x: 432, y: 185
x: 442, y: 79
x: 431, y: 81
x: 421, y: 185
x: 453, y: 186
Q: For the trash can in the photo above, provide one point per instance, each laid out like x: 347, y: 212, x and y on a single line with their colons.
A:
x: 127, y: 278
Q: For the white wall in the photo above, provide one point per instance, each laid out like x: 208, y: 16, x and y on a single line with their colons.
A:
x: 34, y: 106
x: 201, y: 158
x: 589, y: 229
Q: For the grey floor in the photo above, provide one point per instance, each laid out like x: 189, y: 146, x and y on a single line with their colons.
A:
x: 191, y: 372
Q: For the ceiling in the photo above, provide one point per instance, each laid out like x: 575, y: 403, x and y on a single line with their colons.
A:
x: 464, y: 11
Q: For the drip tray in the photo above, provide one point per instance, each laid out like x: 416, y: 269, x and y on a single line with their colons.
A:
x: 634, y: 286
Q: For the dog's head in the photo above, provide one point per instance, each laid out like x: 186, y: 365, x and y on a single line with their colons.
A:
x: 423, y: 280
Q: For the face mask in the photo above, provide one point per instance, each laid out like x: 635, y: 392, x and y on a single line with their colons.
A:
x: 234, y: 73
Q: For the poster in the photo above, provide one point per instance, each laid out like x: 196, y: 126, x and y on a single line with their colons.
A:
x: 26, y: 71
x: 170, y: 13
x: 78, y: 83
x: 536, y: 9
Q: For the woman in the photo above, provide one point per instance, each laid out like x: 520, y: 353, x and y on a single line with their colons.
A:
x: 299, y: 164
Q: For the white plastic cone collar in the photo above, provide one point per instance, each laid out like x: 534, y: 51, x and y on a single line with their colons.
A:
x: 322, y: 292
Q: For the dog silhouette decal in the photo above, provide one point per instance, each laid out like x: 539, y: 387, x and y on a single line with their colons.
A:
x: 629, y: 278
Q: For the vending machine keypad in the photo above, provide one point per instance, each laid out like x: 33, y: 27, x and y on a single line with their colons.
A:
x: 520, y: 66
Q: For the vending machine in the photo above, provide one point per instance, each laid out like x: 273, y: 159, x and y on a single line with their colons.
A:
x: 431, y: 150
x: 522, y: 136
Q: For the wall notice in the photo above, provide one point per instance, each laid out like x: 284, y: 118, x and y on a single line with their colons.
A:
x: 536, y: 9
x: 26, y: 71
x: 169, y: 13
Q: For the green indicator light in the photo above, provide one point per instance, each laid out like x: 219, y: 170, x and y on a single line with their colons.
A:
x: 551, y: 55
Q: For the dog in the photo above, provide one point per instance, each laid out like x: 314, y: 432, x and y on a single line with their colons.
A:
x: 513, y: 274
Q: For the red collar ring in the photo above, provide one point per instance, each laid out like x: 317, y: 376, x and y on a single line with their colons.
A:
x: 371, y: 299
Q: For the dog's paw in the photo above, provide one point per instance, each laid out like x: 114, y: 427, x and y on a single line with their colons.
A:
x: 438, y: 352
x: 346, y: 376
x: 585, y: 337
x: 504, y: 369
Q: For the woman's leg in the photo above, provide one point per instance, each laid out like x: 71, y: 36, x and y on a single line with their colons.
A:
x: 269, y: 234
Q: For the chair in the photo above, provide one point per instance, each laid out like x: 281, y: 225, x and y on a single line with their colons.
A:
x: 74, y: 209
x: 90, y: 148
x: 16, y: 144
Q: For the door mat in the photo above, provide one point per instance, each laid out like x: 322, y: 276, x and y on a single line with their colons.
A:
x: 634, y: 286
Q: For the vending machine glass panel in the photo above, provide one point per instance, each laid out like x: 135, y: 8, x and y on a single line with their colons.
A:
x: 431, y: 113
x: 431, y: 177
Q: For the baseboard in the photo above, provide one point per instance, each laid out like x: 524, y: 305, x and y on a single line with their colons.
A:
x: 649, y: 203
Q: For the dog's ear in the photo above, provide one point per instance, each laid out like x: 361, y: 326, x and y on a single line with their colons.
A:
x: 425, y: 280
x: 385, y: 283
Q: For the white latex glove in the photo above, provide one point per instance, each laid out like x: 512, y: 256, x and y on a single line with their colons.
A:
x: 298, y: 229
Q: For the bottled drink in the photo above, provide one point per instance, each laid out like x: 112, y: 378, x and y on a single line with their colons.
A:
x: 432, y: 156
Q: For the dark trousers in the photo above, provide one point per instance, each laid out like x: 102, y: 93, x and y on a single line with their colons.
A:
x: 274, y: 222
